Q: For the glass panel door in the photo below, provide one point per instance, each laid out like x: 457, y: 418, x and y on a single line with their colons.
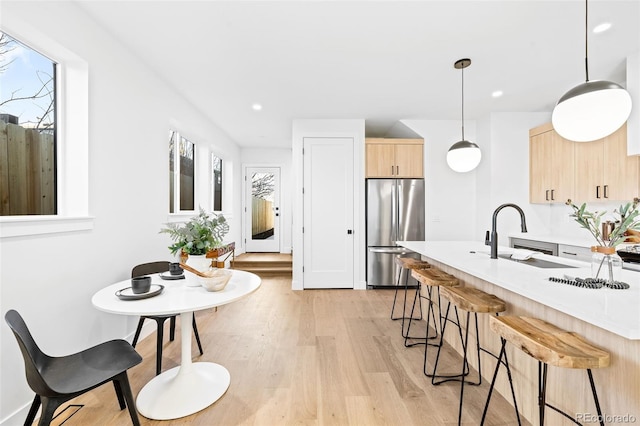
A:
x: 263, y: 209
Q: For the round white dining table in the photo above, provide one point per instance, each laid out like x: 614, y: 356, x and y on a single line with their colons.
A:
x: 192, y: 386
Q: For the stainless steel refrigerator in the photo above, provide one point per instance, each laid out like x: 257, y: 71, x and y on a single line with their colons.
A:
x: 395, y: 212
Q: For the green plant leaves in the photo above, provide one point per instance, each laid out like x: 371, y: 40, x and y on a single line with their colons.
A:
x: 199, y: 235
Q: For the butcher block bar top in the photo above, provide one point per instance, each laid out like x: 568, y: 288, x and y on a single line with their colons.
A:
x: 617, y: 311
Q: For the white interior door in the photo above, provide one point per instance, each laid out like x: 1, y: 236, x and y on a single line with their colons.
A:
x: 262, y: 223
x: 328, y: 213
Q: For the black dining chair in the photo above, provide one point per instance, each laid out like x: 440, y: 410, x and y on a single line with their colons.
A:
x: 154, y: 268
x: 56, y: 380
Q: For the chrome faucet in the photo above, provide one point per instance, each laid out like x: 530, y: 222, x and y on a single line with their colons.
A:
x: 493, y: 241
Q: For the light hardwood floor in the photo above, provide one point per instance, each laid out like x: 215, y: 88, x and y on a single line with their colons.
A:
x: 314, y: 357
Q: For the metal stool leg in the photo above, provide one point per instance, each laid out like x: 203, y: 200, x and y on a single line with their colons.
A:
x: 406, y: 335
x: 595, y: 397
x: 542, y: 389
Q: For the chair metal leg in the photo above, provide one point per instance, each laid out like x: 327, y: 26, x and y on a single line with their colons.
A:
x: 159, y: 338
x: 395, y: 297
x: 172, y: 328
x: 49, y: 407
x: 35, y: 405
x: 138, y: 330
x: 195, y: 332
x: 121, y: 402
x: 124, y: 385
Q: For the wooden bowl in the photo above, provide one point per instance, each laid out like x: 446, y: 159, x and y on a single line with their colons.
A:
x: 217, y: 280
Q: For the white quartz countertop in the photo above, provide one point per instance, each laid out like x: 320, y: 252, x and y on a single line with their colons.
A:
x: 617, y: 311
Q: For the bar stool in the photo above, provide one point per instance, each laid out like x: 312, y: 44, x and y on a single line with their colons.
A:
x: 407, y: 264
x: 471, y: 300
x: 432, y: 277
x: 549, y: 345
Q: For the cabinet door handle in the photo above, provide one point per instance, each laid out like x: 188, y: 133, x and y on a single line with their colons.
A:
x: 552, y: 199
x: 598, y: 191
x: 606, y: 195
x: 392, y: 171
x: 546, y: 195
x: 397, y: 170
x: 572, y: 254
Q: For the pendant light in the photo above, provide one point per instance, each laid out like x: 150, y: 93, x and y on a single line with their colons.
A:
x: 463, y: 156
x: 593, y: 109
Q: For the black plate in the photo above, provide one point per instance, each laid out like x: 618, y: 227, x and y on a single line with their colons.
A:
x: 127, y: 293
x: 171, y: 277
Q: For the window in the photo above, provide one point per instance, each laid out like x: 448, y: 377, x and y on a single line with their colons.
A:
x: 182, y: 176
x: 216, y: 182
x: 28, y: 127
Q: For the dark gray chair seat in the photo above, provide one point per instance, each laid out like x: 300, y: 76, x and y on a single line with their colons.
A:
x: 55, y: 380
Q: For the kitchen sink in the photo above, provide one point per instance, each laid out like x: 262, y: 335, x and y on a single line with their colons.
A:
x: 538, y: 263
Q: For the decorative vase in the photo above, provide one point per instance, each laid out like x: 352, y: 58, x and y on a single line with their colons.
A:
x: 199, y: 262
x: 605, y: 264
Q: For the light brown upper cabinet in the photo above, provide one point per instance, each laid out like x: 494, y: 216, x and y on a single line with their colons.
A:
x: 394, y: 158
x: 604, y: 171
x: 551, y: 166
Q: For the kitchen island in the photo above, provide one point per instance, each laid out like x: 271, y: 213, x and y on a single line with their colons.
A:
x: 608, y: 318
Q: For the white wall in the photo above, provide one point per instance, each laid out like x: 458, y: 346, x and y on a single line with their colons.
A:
x: 50, y: 278
x: 459, y: 206
x: 256, y: 157
x: 450, y: 197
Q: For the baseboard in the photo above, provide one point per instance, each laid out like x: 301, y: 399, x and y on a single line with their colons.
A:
x: 18, y: 416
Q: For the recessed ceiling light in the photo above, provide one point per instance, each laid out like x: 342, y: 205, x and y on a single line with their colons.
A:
x: 256, y: 107
x: 497, y: 93
x: 602, y: 27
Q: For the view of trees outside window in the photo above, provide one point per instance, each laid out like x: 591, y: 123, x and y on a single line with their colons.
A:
x: 216, y: 166
x: 182, y: 173
x: 27, y: 130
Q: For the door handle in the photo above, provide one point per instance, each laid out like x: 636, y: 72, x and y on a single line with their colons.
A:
x: 552, y: 199
x: 546, y: 195
x: 606, y: 193
x: 349, y: 231
x: 598, y: 191
x: 392, y: 171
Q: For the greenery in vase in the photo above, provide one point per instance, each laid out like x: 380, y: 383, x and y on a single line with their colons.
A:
x: 628, y: 220
x: 199, y: 235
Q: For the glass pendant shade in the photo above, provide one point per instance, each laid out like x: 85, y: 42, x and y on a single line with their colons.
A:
x: 591, y: 111
x: 464, y: 156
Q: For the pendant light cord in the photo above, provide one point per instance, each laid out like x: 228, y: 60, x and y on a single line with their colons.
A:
x: 586, y: 41
x: 462, y: 103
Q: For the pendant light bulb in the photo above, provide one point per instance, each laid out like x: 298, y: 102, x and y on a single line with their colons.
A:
x: 593, y: 109
x: 463, y: 156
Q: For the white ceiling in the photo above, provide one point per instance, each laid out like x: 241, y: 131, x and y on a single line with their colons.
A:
x: 381, y: 61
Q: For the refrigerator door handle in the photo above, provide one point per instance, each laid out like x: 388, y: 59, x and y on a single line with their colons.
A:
x: 391, y: 250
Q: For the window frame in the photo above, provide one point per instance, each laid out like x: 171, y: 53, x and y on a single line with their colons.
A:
x: 72, y: 141
x: 175, y: 176
x: 213, y: 183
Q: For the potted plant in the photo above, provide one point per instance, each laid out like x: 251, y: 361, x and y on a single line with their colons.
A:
x: 196, y: 237
x: 608, y: 235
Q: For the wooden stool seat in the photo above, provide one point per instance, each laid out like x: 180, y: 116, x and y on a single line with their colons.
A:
x: 411, y: 263
x: 473, y: 300
x: 434, y: 277
x: 548, y: 343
